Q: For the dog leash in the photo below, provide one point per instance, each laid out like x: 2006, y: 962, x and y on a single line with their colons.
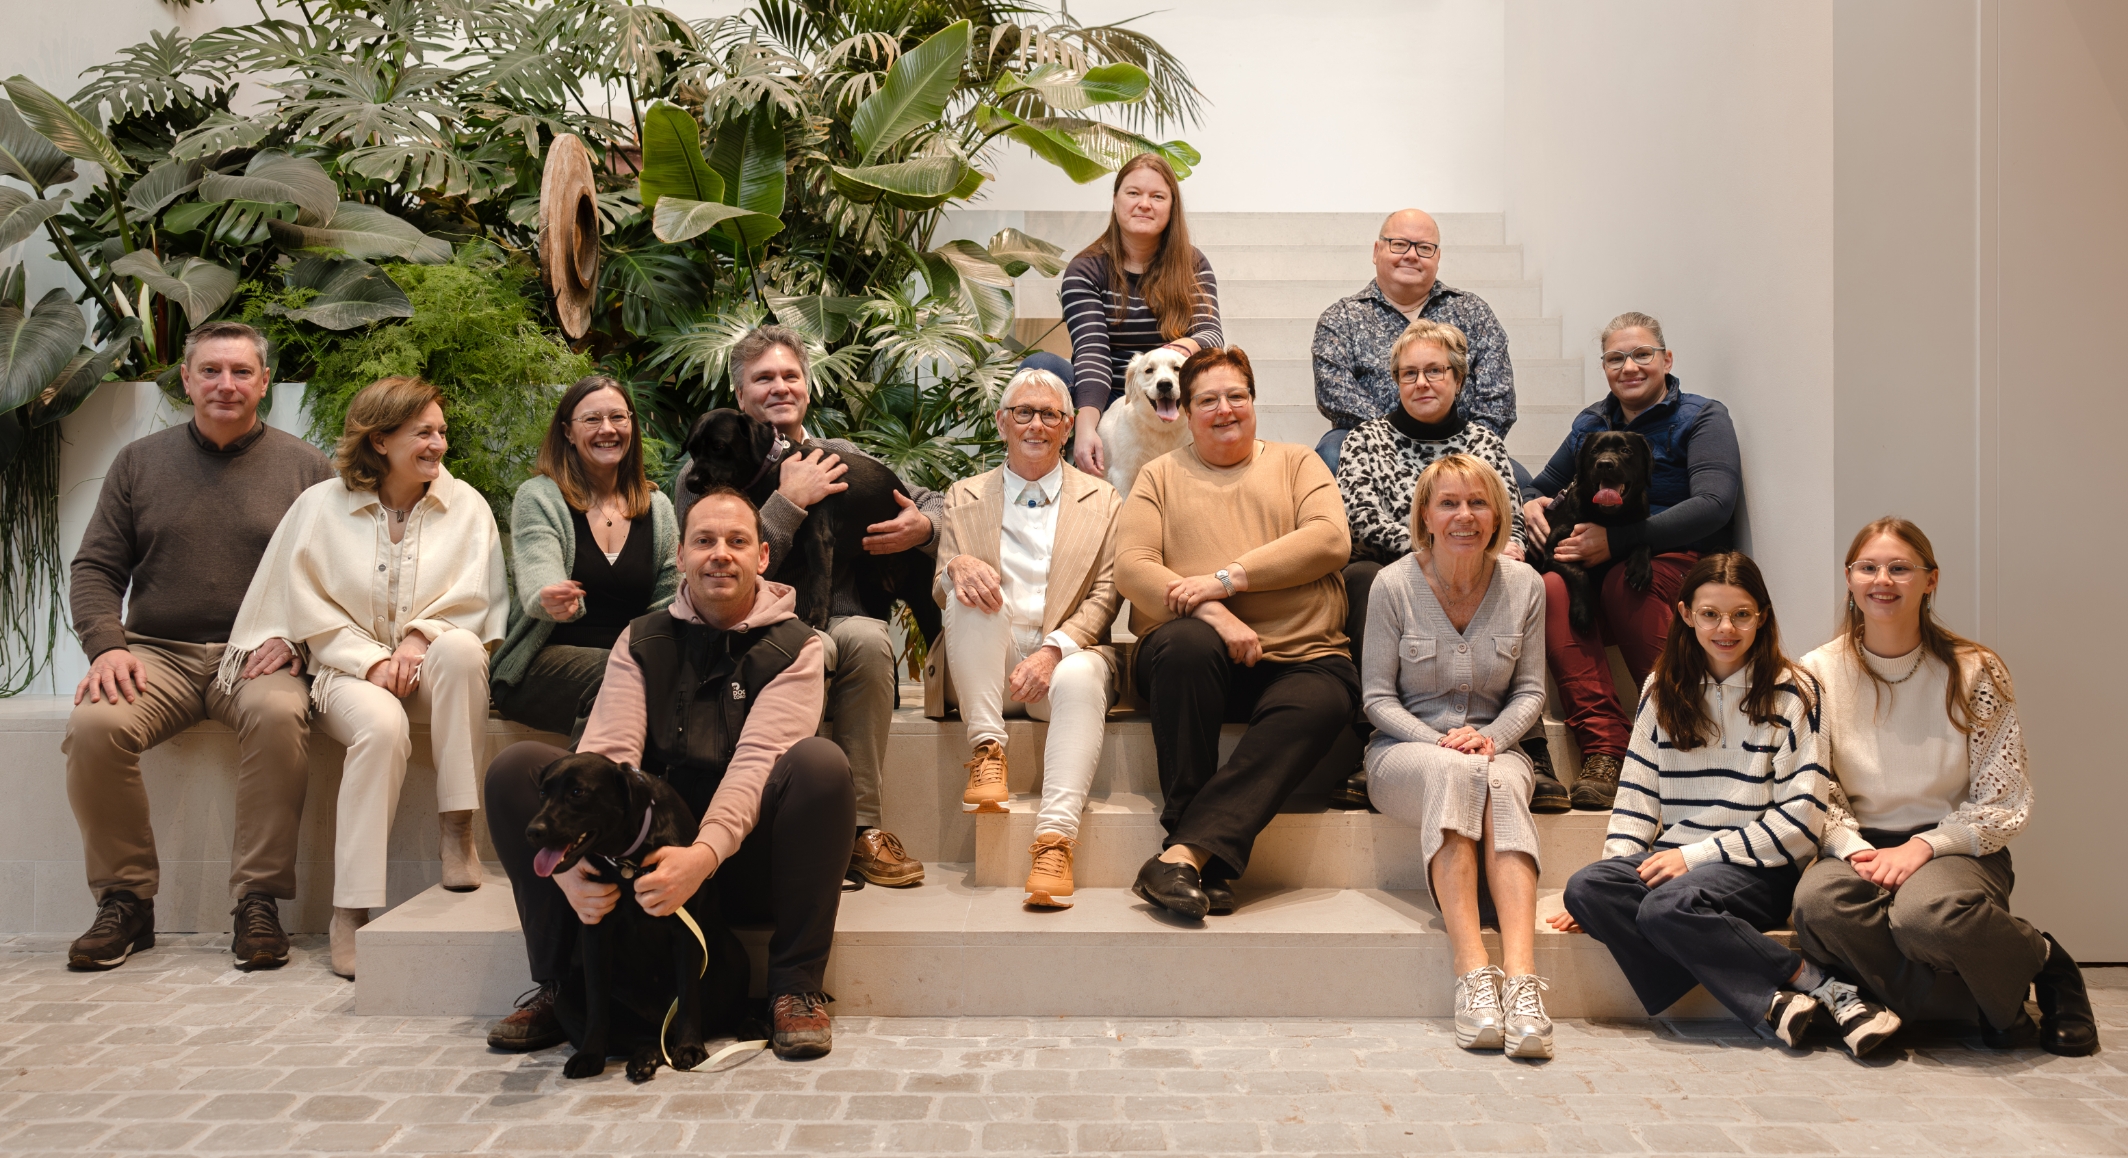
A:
x: 688, y: 919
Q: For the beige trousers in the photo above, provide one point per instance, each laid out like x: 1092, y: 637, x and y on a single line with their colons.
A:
x: 271, y: 718
x: 374, y: 724
x: 983, y: 647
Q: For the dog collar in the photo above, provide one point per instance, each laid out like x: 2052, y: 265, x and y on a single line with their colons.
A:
x: 642, y: 835
x: 775, y: 455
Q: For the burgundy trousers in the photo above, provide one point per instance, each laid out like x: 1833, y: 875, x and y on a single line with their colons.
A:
x: 1637, y: 622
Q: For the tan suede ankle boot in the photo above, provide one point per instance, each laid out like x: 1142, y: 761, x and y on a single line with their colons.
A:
x: 344, y: 924
x: 461, y: 861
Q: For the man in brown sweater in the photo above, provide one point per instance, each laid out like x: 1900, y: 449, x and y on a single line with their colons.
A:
x: 183, y: 518
x: 1230, y: 551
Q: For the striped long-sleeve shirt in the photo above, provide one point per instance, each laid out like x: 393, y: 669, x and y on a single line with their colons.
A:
x: 1752, y: 795
x: 1102, y: 347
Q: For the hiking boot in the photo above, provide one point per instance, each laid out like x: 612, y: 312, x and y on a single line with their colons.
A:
x: 258, y: 941
x: 1525, y: 1028
x: 1478, y: 1015
x: 802, y: 1027
x: 1049, y: 882
x: 124, y: 925
x: 1547, y: 795
x: 986, y: 791
x: 533, y: 1026
x: 1864, y: 1024
x: 1598, y: 784
x: 878, y: 857
x: 2066, y: 1026
x: 1789, y: 1016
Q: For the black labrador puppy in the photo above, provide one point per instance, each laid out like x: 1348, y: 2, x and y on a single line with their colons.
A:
x: 1611, y: 475
x: 827, y: 554
x: 636, y: 967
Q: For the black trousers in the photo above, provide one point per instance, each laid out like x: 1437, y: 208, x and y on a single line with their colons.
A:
x: 788, y: 871
x: 1294, y: 712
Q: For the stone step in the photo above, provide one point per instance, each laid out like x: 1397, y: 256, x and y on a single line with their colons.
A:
x: 1352, y: 262
x: 1074, y: 230
x: 952, y: 947
x: 1038, y: 297
x: 1280, y: 338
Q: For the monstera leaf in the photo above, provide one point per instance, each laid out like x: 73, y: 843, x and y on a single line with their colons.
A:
x: 351, y: 293
x: 199, y: 285
x: 365, y: 231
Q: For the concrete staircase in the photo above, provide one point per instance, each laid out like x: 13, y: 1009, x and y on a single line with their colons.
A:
x: 1279, y: 271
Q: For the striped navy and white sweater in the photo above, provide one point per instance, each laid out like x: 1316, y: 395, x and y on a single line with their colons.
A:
x: 1753, y: 794
x: 1101, y: 346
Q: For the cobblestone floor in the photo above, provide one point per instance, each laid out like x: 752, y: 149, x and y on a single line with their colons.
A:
x: 178, y: 1053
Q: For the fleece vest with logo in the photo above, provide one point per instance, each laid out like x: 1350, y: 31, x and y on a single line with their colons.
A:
x: 699, y: 683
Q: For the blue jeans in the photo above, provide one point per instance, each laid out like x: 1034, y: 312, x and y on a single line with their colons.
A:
x: 1706, y: 927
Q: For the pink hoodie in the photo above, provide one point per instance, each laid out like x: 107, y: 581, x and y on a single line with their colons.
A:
x: 787, y: 711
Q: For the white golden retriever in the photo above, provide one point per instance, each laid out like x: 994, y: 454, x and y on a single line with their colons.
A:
x: 1148, y: 421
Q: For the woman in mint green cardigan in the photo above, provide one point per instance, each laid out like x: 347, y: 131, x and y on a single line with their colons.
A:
x: 594, y: 545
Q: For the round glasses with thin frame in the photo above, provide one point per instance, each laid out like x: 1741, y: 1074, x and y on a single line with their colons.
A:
x: 1898, y: 570
x: 1744, y: 619
x: 1643, y: 356
x: 1050, y: 419
x: 619, y: 420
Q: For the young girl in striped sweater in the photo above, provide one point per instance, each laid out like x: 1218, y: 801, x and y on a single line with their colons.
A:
x: 1720, y: 804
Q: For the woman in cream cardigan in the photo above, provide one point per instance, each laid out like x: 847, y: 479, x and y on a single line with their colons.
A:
x: 389, y: 582
x: 593, y: 546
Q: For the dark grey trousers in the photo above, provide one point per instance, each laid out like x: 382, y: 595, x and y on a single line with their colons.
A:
x: 557, y: 690
x: 1949, y: 922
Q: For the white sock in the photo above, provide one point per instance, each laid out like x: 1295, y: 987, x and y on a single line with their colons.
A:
x: 1810, y: 978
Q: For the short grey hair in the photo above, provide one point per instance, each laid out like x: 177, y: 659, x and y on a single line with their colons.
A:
x: 217, y: 331
x: 1038, y: 377
x: 760, y: 340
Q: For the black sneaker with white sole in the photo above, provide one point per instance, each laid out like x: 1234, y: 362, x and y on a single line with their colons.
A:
x: 258, y: 940
x: 1864, y: 1024
x: 124, y: 925
x: 1789, y: 1019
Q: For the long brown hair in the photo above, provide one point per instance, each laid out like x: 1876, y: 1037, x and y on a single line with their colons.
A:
x: 1169, y: 285
x: 1949, y: 647
x: 559, y: 460
x: 1681, y: 670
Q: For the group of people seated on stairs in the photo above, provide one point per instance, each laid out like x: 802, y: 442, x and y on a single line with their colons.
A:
x: 1865, y: 795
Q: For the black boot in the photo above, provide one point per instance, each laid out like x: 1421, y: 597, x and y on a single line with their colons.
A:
x: 2066, y: 1026
x: 2020, y: 1034
x: 1547, y: 794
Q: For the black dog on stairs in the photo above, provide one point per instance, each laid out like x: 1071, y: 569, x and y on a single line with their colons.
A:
x: 827, y: 553
x: 1612, y: 470
x: 639, y: 972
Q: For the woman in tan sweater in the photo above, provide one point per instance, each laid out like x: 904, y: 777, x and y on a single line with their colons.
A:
x: 1229, y: 551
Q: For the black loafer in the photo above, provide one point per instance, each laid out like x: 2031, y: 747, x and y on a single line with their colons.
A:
x: 1174, y: 887
x: 1219, y: 898
x: 2021, y: 1034
x: 1351, y: 793
x: 2066, y: 1026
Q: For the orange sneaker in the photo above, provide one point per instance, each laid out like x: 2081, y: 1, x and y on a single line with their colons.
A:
x: 1049, y: 884
x: 987, y: 791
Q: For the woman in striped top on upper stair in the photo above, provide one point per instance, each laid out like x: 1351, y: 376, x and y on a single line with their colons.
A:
x: 1720, y: 804
x: 1140, y: 286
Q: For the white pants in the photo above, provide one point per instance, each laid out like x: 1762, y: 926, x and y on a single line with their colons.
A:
x: 982, y: 648
x: 373, y: 723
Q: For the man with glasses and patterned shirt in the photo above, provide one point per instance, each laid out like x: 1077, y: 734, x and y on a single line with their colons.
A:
x: 1353, y: 337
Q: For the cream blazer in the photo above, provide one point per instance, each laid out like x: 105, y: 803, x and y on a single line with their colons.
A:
x: 1081, y: 599
x: 322, y: 584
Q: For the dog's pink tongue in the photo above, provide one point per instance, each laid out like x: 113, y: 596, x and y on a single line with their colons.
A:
x: 1167, y: 409
x: 1608, y: 497
x: 545, y: 859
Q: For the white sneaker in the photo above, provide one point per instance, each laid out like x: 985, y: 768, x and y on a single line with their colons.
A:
x: 1864, y: 1024
x: 1527, y: 1028
x: 1789, y: 1017
x: 1478, y: 1020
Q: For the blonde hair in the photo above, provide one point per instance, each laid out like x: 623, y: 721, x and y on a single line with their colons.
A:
x: 1452, y: 341
x: 382, y: 407
x: 1951, y: 649
x: 1630, y: 320
x: 1466, y: 467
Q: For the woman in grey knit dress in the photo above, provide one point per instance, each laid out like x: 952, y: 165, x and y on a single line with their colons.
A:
x: 1454, y: 675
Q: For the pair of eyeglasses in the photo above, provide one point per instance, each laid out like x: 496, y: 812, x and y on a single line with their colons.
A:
x: 1403, y: 245
x: 1709, y: 619
x: 1434, y: 374
x: 619, y: 420
x: 1026, y: 414
x: 1898, y: 571
x: 1641, y: 355
x: 1237, y: 400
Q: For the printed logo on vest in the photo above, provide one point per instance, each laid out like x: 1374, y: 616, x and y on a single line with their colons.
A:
x: 738, y: 692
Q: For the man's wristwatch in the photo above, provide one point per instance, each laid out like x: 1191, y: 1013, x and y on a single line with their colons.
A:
x: 1225, y: 580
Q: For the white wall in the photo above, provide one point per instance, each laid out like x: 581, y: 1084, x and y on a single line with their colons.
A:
x: 1675, y: 157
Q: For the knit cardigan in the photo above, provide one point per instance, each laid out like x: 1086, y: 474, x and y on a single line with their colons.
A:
x: 322, y: 582
x: 543, y: 553
x: 1752, y: 794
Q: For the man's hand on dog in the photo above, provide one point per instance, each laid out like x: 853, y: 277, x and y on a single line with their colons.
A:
x: 1535, y: 528
x: 591, y: 897
x: 975, y: 583
x: 676, y: 872
x: 807, y: 478
x: 904, y: 532
x: 1030, y: 677
x: 1589, y: 545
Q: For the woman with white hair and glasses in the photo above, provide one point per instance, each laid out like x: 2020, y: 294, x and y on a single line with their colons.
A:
x: 1026, y: 576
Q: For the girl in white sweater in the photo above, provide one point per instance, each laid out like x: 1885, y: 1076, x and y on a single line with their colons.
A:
x: 1912, y: 896
x: 1720, y: 803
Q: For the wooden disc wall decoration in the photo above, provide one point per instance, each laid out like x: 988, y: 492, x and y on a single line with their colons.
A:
x: 569, y: 233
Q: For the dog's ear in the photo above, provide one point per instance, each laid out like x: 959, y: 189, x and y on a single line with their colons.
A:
x: 1585, y: 452
x: 764, y: 437
x: 699, y: 451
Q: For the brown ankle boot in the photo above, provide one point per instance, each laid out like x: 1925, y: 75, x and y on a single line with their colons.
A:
x: 1049, y: 884
x: 987, y: 791
x: 461, y: 860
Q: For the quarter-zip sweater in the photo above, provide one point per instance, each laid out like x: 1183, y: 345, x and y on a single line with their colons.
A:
x: 1753, y: 794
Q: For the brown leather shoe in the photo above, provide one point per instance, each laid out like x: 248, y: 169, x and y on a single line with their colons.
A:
x: 802, y: 1028
x: 533, y: 1026
x: 986, y: 791
x: 1049, y: 883
x: 879, y: 857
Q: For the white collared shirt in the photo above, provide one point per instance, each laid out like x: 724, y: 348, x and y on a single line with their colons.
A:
x: 1027, y: 536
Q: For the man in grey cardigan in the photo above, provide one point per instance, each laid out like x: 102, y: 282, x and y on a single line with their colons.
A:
x: 183, y: 518
x: 769, y: 375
